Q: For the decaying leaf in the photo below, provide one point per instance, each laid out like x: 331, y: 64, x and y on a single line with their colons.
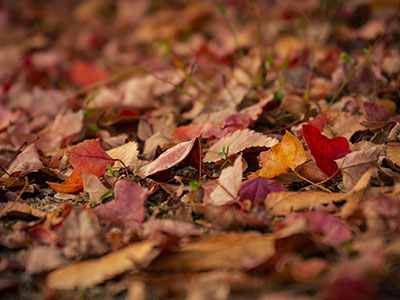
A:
x: 91, y: 272
x: 238, y: 141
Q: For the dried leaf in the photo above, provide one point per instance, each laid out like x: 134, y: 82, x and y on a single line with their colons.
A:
x: 26, y: 162
x: 93, y: 186
x: 228, y: 184
x: 168, y: 159
x: 238, y: 141
x: 393, y: 152
x: 127, y: 153
x: 284, y: 203
x: 231, y: 251
x: 86, y: 157
x: 355, y: 164
x: 92, y: 272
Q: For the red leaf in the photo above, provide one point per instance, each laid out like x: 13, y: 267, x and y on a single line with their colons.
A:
x: 325, y: 150
x: 127, y: 208
x: 85, y: 73
x: 86, y: 157
x: 256, y: 189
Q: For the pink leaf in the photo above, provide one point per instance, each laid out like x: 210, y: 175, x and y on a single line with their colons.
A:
x: 127, y: 208
x: 256, y: 189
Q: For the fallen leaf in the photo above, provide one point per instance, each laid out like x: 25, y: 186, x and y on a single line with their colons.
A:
x: 333, y: 230
x: 93, y: 186
x: 356, y: 163
x: 188, y: 132
x: 238, y: 141
x: 229, y: 251
x: 127, y: 208
x: 127, y: 153
x: 288, y: 154
x: 92, y: 272
x: 85, y: 73
x: 256, y: 189
x: 26, y: 162
x: 168, y: 159
x: 393, y: 152
x: 228, y: 184
x: 291, y: 152
x: 82, y: 235
x: 44, y: 258
x: 270, y: 164
x: 325, y: 150
x: 20, y: 210
x: 86, y: 157
x: 284, y: 203
x: 176, y: 228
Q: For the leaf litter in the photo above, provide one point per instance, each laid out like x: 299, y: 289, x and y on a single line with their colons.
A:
x: 248, y: 151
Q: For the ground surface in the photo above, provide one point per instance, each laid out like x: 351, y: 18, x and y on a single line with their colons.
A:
x: 199, y: 149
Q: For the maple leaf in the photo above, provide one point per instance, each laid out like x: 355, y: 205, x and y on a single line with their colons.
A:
x: 325, y: 150
x: 288, y: 154
x: 86, y: 157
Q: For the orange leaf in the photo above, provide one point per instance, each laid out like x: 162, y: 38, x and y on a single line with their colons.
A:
x: 85, y: 73
x: 87, y: 157
x: 270, y: 163
x: 288, y: 154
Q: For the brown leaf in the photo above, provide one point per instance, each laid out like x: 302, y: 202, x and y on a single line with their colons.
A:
x: 92, y: 272
x: 238, y: 141
x: 26, y: 162
x: 355, y: 164
x: 228, y: 184
x: 393, y: 152
x: 229, y: 251
x: 284, y: 203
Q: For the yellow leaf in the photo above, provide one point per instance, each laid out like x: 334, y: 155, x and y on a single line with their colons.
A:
x: 291, y: 152
x: 270, y: 163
